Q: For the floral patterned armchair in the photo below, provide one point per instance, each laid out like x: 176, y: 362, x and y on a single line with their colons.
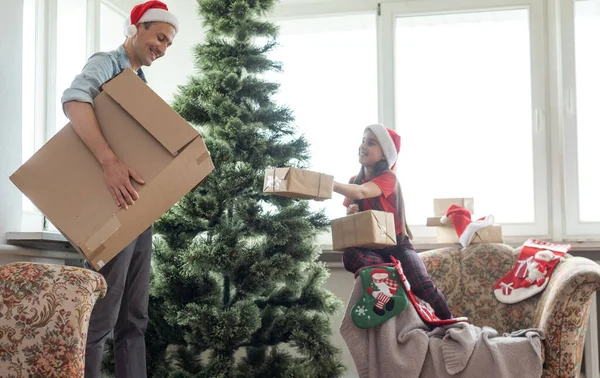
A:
x: 44, y: 316
x: 467, y: 278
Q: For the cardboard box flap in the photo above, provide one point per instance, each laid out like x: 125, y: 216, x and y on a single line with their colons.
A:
x: 155, y: 115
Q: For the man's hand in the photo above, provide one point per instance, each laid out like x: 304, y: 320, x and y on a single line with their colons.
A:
x: 352, y: 209
x: 116, y: 175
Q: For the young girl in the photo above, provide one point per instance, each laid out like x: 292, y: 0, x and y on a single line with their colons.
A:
x: 376, y: 188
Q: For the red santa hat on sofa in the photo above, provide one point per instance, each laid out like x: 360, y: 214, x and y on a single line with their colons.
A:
x: 150, y: 11
x: 464, y: 227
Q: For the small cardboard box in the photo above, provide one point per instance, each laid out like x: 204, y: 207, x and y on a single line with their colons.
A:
x: 490, y: 234
x: 446, y: 235
x: 66, y: 182
x: 367, y: 229
x: 298, y: 183
x: 437, y: 222
x: 441, y: 205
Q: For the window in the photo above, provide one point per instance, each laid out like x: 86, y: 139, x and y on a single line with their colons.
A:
x: 29, y: 33
x: 329, y: 79
x: 587, y: 69
x: 469, y: 112
x: 463, y: 109
x: 57, y: 38
x: 31, y: 216
x: 71, y: 51
x: 112, y: 23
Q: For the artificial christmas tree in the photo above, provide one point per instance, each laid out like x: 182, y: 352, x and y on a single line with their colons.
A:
x: 237, y: 290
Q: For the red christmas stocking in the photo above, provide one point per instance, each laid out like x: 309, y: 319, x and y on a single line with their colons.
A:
x: 423, y: 308
x: 531, y: 273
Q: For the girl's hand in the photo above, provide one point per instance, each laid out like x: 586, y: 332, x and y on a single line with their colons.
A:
x: 352, y: 209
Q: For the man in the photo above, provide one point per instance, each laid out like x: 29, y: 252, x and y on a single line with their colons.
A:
x: 150, y: 30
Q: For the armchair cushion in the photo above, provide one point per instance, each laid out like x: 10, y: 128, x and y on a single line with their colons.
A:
x: 44, y: 317
x: 467, y: 277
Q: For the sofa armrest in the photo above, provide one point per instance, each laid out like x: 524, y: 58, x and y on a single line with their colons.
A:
x: 562, y: 313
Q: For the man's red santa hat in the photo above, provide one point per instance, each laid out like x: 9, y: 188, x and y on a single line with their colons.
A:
x: 150, y: 11
x: 465, y: 228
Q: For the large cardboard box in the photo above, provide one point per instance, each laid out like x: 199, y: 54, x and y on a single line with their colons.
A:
x: 490, y: 234
x: 298, y: 183
x: 367, y: 229
x: 441, y: 205
x: 65, y: 181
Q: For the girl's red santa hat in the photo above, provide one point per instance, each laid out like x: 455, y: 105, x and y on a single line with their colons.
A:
x: 389, y: 142
x: 150, y: 11
x: 464, y: 227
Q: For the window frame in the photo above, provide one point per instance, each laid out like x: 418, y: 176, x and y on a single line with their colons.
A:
x: 566, y: 100
x: 391, y: 11
x: 45, y: 77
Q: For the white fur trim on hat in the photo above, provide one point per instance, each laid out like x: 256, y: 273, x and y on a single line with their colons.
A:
x: 472, y: 228
x: 385, y: 141
x: 152, y: 15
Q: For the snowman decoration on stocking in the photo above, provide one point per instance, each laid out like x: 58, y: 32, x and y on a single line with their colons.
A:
x: 537, y: 267
x: 386, y: 289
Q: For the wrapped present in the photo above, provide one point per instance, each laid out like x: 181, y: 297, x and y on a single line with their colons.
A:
x: 490, y: 234
x: 298, y: 183
x: 441, y: 205
x: 367, y: 229
x: 437, y: 222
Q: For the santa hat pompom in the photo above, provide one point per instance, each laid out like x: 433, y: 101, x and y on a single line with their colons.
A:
x: 131, y: 30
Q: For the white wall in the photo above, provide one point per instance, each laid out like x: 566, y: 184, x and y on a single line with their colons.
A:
x: 11, y: 43
x: 340, y: 283
x: 177, y: 65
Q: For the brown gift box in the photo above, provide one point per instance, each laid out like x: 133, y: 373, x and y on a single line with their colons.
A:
x: 490, y: 234
x: 367, y: 229
x: 298, y: 183
x: 66, y: 182
x: 436, y: 222
x: 441, y: 205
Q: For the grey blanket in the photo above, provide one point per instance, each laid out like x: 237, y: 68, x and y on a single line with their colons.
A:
x: 404, y: 347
